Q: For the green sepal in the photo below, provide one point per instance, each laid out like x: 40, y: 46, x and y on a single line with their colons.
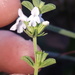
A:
x: 28, y: 5
x: 35, y: 32
x: 36, y: 2
x: 42, y: 34
x: 29, y: 28
x: 28, y: 33
x: 47, y: 8
x: 28, y: 60
x: 48, y: 62
x: 41, y: 27
x: 26, y: 23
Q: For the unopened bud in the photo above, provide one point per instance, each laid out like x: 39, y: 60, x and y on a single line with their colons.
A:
x: 45, y: 23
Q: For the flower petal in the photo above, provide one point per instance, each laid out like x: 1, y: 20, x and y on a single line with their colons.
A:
x: 35, y: 11
x: 32, y: 23
x: 17, y: 21
x: 21, y: 15
x: 30, y: 18
x: 21, y: 27
x: 41, y: 19
x: 13, y: 28
x: 20, y: 30
x: 37, y: 19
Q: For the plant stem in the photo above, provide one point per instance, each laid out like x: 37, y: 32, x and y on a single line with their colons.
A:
x: 35, y: 46
x: 36, y: 71
x: 35, y: 49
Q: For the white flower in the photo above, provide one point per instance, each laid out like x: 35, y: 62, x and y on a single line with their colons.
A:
x: 35, y: 17
x: 19, y: 25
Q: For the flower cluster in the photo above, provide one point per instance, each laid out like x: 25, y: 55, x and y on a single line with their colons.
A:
x: 33, y: 20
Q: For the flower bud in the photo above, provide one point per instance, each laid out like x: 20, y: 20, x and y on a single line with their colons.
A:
x: 45, y: 23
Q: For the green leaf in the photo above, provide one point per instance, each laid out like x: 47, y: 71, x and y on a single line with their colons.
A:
x: 28, y: 5
x: 41, y: 4
x: 36, y: 2
x: 47, y: 8
x: 44, y: 55
x: 39, y: 56
x: 28, y: 60
x: 48, y: 62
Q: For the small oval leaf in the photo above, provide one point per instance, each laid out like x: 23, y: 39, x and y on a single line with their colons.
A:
x: 44, y: 55
x: 28, y: 5
x: 36, y: 2
x: 48, y: 62
x: 28, y: 60
x: 47, y: 8
x: 41, y: 4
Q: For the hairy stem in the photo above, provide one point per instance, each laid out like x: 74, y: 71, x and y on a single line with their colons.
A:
x: 36, y: 71
x: 35, y: 46
x: 35, y: 49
